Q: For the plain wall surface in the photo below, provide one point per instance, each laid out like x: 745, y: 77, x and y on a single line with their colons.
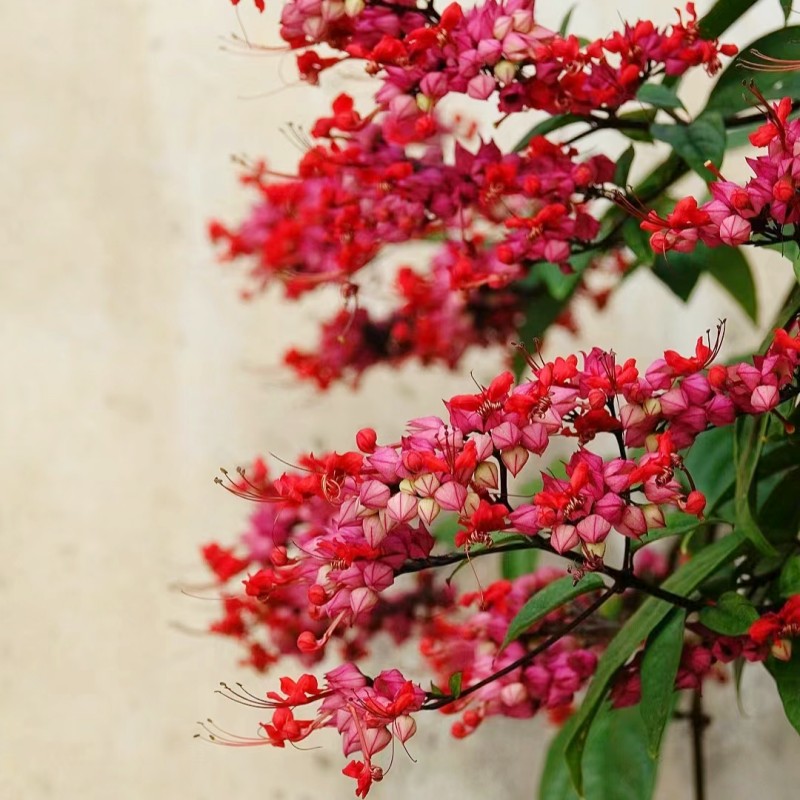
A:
x: 131, y: 372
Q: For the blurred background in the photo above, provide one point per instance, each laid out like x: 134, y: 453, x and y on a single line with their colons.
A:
x: 132, y: 372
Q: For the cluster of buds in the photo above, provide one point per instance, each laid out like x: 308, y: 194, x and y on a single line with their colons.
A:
x: 754, y: 213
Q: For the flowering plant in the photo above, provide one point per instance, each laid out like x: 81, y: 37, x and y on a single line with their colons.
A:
x: 687, y: 466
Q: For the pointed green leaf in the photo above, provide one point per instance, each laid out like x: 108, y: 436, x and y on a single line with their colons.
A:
x: 564, y: 27
x: 786, y: 7
x: 700, y: 141
x: 658, y: 95
x: 722, y: 15
x: 623, y: 167
x: 748, y: 442
x: 779, y: 514
x: 629, y: 638
x: 616, y: 762
x: 619, y: 771
x: 541, y: 311
x: 662, y: 657
x: 730, y: 268
x: 679, y: 271
x: 787, y: 678
x: 555, y: 783
x: 455, y: 683
x: 789, y: 582
x: 553, y: 596
x: 732, y: 615
x: 729, y: 95
x: 710, y: 463
x: 676, y: 525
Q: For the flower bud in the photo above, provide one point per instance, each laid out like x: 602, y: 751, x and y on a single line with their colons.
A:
x: 427, y: 510
x: 353, y: 7
x: 486, y: 475
x: 505, y: 71
x: 366, y: 438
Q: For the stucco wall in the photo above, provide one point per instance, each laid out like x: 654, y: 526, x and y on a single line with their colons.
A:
x: 131, y: 372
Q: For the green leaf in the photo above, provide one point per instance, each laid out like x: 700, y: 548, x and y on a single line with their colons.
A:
x: 623, y: 167
x: 658, y: 95
x: 555, y: 783
x: 679, y: 271
x: 789, y: 582
x: 616, y: 761
x: 541, y: 311
x: 676, y: 525
x: 553, y: 596
x: 748, y: 441
x: 729, y: 267
x: 700, y: 141
x: 628, y: 639
x: 779, y: 514
x: 638, y: 134
x: 732, y: 615
x: 454, y: 684
x: 518, y: 562
x: 638, y: 241
x: 564, y: 27
x: 787, y: 678
x: 710, y: 463
x: 786, y: 7
x: 558, y: 283
x: 729, y: 95
x: 662, y: 657
x: 546, y: 126
x: 723, y: 14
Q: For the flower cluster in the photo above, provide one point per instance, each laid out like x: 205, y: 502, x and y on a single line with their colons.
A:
x: 421, y: 55
x: 402, y: 173
x: 369, y: 714
x: 756, y: 212
x: 343, y: 527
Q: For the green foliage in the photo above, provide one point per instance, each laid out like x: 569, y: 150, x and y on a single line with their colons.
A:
x: 662, y: 656
x: 748, y: 442
x: 652, y: 611
x: 732, y: 615
x: 623, y: 168
x: 699, y: 141
x: 786, y: 7
x: 553, y: 596
x: 729, y: 95
x: 454, y: 684
x: 563, y: 28
x: 731, y: 270
x: 658, y: 95
x: 722, y: 15
x: 615, y: 761
x: 518, y: 562
x: 789, y: 582
x: 787, y: 679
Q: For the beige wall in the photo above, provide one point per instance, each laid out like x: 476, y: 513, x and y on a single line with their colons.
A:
x: 131, y: 372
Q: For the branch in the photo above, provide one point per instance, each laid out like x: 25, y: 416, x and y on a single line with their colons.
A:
x: 439, y: 702
x: 622, y: 579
